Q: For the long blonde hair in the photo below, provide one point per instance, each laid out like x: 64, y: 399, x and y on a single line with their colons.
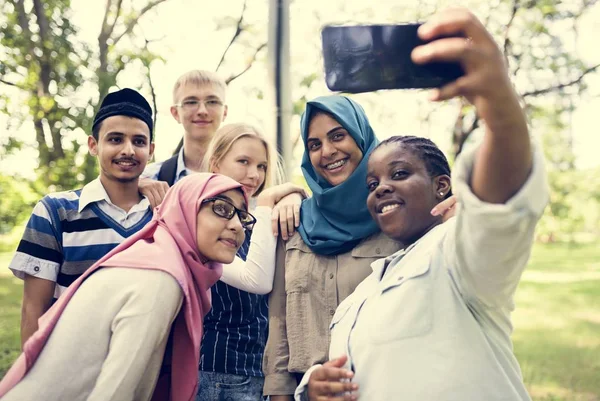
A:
x: 224, y: 139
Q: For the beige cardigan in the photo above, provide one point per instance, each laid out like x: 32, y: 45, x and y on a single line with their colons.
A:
x: 109, y: 342
x: 306, y: 292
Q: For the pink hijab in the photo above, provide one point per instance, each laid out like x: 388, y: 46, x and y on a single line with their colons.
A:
x: 167, y: 243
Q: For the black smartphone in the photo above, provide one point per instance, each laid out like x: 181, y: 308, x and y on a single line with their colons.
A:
x: 366, y: 58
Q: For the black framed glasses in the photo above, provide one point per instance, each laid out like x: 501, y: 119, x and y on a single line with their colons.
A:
x: 227, y: 210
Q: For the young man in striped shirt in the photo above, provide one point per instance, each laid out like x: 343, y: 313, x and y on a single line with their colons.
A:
x: 69, y: 231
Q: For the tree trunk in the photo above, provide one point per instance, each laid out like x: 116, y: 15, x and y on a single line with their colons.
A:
x: 46, y: 70
x: 458, y: 135
x: 461, y: 133
x: 44, y: 152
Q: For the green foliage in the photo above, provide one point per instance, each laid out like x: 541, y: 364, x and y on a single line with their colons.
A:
x: 46, y: 61
x: 16, y: 201
x: 10, y: 317
x: 573, y: 213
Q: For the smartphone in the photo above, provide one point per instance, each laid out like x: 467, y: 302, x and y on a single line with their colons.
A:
x: 366, y: 58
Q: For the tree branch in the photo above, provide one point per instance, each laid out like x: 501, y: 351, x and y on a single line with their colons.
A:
x: 238, y: 31
x: 507, y: 42
x: 111, y: 28
x: 12, y: 84
x: 561, y: 86
x: 24, y: 24
x: 103, y: 48
x: 252, y: 60
x: 474, y: 125
x: 44, y: 60
x: 460, y: 133
x: 152, y: 90
x: 135, y: 20
x: 104, y: 27
x: 43, y: 85
x: 42, y: 22
x: 44, y: 152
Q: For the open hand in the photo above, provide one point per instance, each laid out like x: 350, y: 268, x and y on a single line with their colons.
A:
x: 331, y: 382
x: 285, y: 199
x: 286, y: 215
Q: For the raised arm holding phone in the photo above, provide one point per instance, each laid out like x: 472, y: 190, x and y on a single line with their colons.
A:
x: 432, y: 322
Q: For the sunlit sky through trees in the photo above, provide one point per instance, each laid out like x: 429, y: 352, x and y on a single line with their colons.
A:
x: 184, y: 33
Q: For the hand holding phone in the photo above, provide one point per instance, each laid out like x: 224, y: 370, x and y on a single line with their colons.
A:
x: 366, y: 58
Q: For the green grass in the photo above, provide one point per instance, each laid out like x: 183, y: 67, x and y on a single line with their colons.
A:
x: 557, y: 322
x: 11, y: 292
x: 565, y: 258
x: 5, y: 258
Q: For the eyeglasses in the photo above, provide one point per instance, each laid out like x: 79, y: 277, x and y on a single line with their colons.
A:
x: 225, y: 209
x: 192, y: 105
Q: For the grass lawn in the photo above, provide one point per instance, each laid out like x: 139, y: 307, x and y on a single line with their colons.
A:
x: 557, y: 322
x: 11, y: 292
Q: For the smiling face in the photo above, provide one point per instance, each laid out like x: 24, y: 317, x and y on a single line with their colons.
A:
x: 332, y: 151
x: 200, y: 109
x: 246, y: 162
x: 218, y: 238
x: 123, y: 148
x: 402, y: 192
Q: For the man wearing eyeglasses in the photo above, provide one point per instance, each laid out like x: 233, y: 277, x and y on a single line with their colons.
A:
x: 198, y: 105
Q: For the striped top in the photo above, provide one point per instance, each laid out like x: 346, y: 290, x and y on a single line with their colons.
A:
x: 235, y: 329
x: 62, y: 239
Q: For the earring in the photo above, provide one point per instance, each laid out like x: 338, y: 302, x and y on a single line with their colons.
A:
x: 441, y: 194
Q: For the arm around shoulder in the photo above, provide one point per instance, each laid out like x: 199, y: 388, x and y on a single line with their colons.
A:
x: 255, y: 275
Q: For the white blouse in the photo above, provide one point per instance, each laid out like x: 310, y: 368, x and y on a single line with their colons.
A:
x: 255, y: 275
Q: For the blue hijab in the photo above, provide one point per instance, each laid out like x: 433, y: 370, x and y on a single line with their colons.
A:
x: 335, y: 219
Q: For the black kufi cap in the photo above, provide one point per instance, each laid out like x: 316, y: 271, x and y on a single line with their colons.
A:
x: 125, y: 102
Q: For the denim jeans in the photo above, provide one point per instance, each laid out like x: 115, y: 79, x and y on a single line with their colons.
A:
x: 215, y: 386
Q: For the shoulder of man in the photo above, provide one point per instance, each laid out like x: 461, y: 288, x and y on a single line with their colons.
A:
x: 152, y: 170
x: 168, y: 170
x: 59, y: 203
x: 68, y: 199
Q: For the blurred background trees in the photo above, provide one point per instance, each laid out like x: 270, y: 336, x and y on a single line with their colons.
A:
x: 58, y: 58
x: 52, y: 78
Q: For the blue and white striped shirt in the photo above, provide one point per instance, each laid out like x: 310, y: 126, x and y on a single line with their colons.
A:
x: 69, y: 231
x: 235, y: 329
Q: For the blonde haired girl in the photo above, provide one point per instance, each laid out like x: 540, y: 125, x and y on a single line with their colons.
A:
x: 227, y: 136
x: 236, y: 327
